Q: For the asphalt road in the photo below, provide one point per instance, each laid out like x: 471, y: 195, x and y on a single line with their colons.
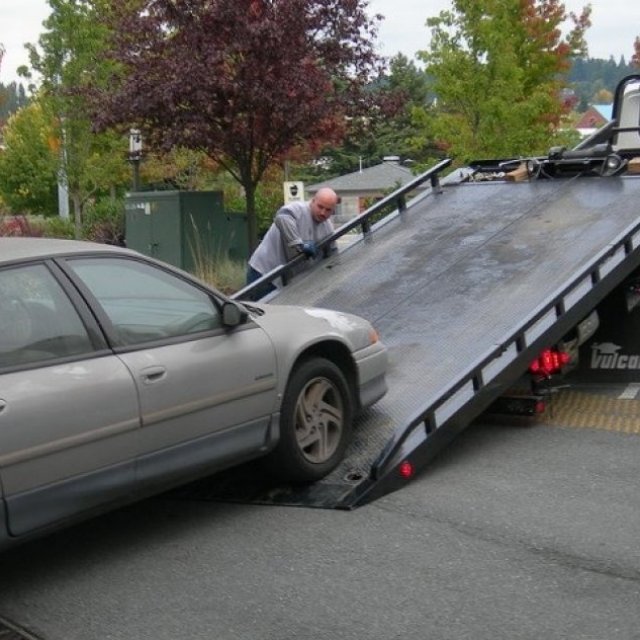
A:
x: 512, y: 533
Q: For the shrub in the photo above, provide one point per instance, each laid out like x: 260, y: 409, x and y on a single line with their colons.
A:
x: 57, y: 227
x: 20, y: 226
x: 104, y: 221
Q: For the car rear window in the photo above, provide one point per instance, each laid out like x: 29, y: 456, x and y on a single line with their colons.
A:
x: 38, y: 323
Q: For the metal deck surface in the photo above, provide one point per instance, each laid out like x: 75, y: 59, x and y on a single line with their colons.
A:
x: 453, y: 276
x: 445, y: 283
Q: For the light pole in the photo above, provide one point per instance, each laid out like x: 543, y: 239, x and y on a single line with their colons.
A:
x: 135, y: 156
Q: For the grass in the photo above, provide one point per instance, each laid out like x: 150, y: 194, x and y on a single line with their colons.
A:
x: 218, y: 270
x: 224, y: 274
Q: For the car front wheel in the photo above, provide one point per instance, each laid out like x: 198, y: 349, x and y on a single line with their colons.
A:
x: 315, y: 422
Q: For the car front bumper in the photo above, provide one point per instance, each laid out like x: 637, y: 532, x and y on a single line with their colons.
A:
x: 371, y: 363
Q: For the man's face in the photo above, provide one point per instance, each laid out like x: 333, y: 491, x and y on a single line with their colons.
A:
x: 322, y: 208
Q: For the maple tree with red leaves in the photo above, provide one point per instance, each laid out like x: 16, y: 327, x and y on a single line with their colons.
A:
x: 635, y: 60
x: 244, y: 80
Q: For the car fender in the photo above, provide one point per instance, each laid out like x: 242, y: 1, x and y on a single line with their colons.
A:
x: 294, y: 331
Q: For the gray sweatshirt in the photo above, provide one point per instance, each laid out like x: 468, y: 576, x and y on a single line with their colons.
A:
x: 292, y: 226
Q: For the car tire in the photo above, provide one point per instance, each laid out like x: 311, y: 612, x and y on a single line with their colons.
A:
x: 315, y: 423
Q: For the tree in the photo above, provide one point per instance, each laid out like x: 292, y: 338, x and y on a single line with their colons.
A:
x: 387, y: 131
x: 603, y: 96
x: 497, y: 69
x: 589, y: 76
x: 70, y: 56
x: 28, y: 163
x: 398, y: 134
x: 635, y: 60
x: 12, y: 98
x: 244, y: 80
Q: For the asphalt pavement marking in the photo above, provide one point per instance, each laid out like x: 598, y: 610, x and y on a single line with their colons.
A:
x: 630, y: 392
x: 584, y: 410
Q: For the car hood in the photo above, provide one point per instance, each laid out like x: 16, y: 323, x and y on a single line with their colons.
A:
x: 309, y: 324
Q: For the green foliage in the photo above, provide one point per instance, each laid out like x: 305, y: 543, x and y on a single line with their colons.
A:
x: 36, y: 226
x: 385, y: 131
x: 395, y: 135
x: 179, y: 168
x: 496, y: 67
x: 589, y: 76
x: 70, y: 54
x: 268, y: 199
x: 221, y: 272
x: 12, y: 98
x: 104, y: 221
x: 58, y: 228
x: 28, y: 163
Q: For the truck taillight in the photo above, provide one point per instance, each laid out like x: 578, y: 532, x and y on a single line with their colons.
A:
x: 406, y: 470
x: 550, y: 361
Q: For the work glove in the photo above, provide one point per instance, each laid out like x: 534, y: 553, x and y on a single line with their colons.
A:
x: 309, y: 249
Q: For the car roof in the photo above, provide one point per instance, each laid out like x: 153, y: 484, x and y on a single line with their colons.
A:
x: 12, y: 249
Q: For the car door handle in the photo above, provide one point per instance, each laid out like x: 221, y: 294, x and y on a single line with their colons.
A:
x: 153, y: 374
x: 3, y: 405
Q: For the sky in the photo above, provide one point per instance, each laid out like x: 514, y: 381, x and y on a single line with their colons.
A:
x: 615, y: 25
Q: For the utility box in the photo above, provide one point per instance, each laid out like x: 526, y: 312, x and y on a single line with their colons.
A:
x: 184, y: 228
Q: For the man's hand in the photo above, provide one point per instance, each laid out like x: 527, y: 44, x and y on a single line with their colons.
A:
x: 309, y: 249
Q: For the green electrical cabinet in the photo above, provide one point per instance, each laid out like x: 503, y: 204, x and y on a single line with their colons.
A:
x: 184, y: 228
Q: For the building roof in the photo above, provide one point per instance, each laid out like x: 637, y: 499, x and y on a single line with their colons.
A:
x: 605, y: 110
x: 381, y: 177
x: 596, y: 116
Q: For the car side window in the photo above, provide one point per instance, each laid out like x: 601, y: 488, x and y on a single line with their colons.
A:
x: 37, y: 320
x: 145, y: 303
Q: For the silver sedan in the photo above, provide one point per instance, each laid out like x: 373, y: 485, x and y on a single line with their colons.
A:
x: 121, y: 376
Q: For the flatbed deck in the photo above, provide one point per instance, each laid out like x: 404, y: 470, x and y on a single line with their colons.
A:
x: 465, y: 286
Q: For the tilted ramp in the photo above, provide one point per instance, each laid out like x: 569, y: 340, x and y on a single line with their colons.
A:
x: 465, y: 287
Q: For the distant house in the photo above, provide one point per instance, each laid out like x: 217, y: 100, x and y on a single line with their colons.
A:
x: 357, y: 189
x: 596, y: 116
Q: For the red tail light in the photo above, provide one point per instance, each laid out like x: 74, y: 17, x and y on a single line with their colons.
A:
x: 406, y: 469
x: 550, y: 361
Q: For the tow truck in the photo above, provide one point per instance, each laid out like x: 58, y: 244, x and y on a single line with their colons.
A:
x: 488, y: 269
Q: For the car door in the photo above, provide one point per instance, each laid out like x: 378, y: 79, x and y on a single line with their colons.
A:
x: 68, y: 406
x: 207, y: 393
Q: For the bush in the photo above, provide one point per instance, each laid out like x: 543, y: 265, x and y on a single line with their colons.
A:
x: 20, y: 226
x: 269, y: 198
x: 59, y: 228
x: 36, y: 226
x: 104, y: 221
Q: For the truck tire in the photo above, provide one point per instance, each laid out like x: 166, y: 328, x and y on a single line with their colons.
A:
x: 315, y: 423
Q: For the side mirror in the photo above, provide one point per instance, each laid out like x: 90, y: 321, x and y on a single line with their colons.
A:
x: 233, y: 314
